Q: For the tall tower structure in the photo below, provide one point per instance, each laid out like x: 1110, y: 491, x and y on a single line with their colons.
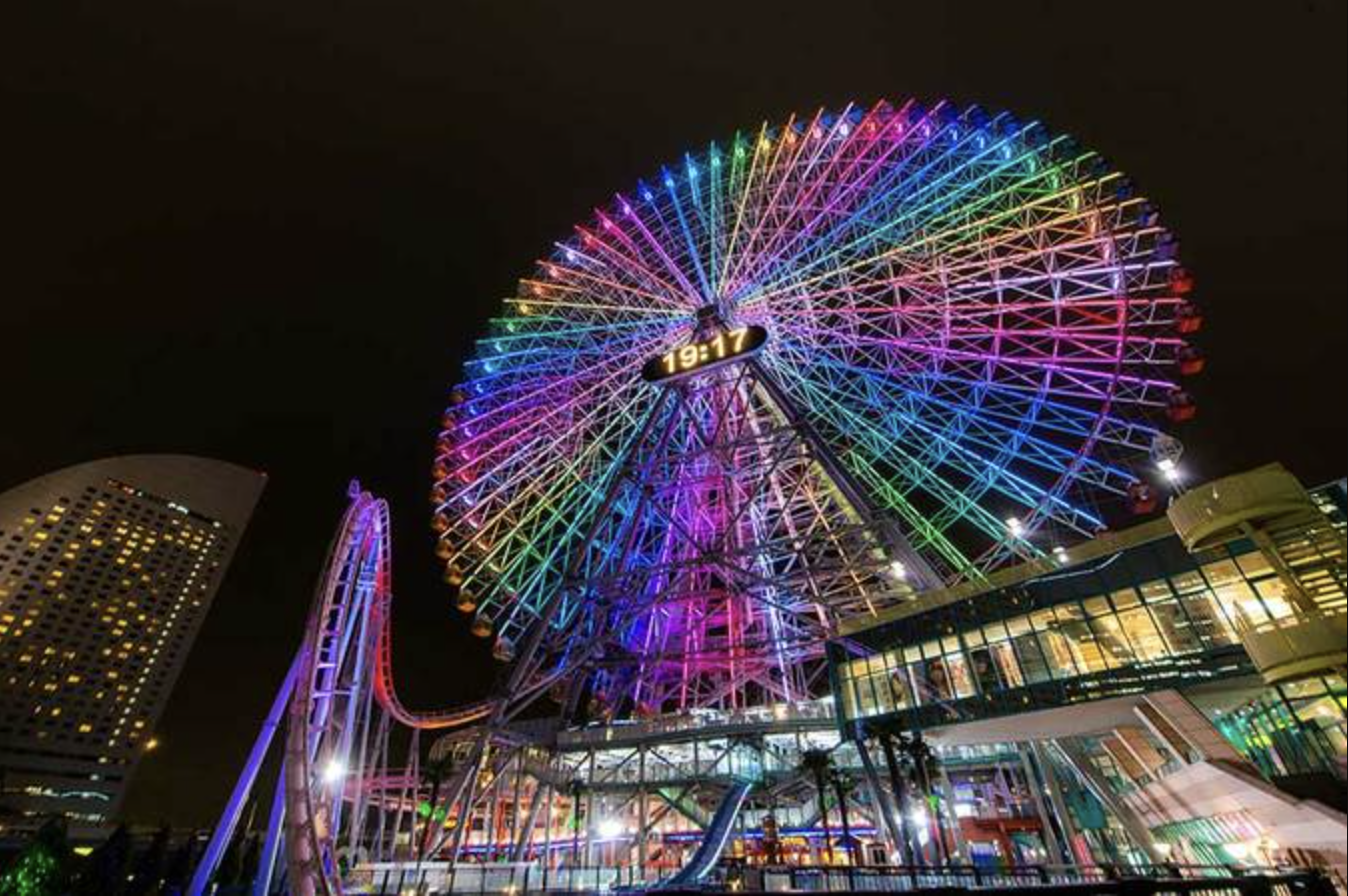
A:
x: 107, y: 570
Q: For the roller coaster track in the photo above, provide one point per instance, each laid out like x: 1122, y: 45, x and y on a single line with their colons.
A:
x: 339, y: 704
x: 366, y: 512
x: 345, y: 702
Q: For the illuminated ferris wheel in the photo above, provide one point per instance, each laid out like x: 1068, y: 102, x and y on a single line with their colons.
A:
x: 797, y: 376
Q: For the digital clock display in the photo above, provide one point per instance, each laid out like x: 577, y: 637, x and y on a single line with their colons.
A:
x: 726, y: 345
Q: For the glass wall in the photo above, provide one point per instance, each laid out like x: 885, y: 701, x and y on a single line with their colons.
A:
x: 1179, y: 615
x: 1292, y: 729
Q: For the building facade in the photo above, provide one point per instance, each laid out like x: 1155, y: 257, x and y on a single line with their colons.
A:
x: 1174, y: 690
x: 107, y: 570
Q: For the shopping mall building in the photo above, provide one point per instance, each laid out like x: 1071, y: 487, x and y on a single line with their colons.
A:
x: 1174, y: 691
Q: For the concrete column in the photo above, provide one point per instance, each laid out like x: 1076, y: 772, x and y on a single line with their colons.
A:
x: 518, y: 802
x: 643, y: 812
x: 547, y: 829
x: 588, y: 851
x: 493, y: 825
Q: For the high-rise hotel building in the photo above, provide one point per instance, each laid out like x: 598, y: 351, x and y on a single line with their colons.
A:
x: 107, y: 570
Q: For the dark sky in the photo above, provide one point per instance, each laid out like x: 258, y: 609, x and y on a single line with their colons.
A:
x: 267, y: 231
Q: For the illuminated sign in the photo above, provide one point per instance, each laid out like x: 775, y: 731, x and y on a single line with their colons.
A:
x: 725, y: 346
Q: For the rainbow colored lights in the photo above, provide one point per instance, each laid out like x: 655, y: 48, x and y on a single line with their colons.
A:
x: 976, y: 317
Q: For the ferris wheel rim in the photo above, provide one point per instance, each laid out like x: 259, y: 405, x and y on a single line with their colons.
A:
x: 1035, y: 412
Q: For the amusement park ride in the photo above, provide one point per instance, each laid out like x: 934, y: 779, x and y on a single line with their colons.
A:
x: 798, y: 378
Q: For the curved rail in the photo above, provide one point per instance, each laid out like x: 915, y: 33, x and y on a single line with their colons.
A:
x: 344, y: 700
x: 381, y: 614
x: 341, y: 794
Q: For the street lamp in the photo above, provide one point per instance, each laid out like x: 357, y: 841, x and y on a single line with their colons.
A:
x: 1166, y: 451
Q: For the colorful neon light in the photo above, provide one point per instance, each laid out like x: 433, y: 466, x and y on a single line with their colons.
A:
x: 977, y: 317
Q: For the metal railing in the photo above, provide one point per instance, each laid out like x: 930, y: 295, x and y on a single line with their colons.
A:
x: 708, y: 722
x: 520, y: 879
x: 514, y: 879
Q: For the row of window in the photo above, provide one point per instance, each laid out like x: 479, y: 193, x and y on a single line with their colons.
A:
x: 93, y: 594
x: 1180, y: 615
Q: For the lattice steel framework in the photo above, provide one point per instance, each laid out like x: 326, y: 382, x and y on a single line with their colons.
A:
x: 969, y: 320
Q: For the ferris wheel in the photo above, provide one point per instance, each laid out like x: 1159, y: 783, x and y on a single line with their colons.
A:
x: 971, y: 328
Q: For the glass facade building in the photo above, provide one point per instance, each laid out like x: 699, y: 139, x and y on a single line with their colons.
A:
x: 1140, y: 614
x: 1199, y: 654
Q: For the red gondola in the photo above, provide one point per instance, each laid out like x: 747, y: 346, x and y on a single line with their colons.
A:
x: 1180, y: 406
x: 1181, y: 282
x: 503, y: 650
x: 1188, y: 318
x: 1142, y: 498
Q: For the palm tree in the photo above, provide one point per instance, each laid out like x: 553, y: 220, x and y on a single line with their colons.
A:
x: 843, y: 784
x: 44, y: 864
x: 105, y: 871
x: 819, y: 764
x: 893, y: 740
x: 574, y: 788
x: 437, y: 771
x: 919, y: 752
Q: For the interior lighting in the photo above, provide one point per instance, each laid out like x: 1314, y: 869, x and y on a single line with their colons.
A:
x: 609, y: 828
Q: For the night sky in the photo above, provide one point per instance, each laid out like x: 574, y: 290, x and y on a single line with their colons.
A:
x: 267, y: 232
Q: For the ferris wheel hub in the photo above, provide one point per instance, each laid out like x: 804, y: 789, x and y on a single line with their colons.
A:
x: 717, y: 347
